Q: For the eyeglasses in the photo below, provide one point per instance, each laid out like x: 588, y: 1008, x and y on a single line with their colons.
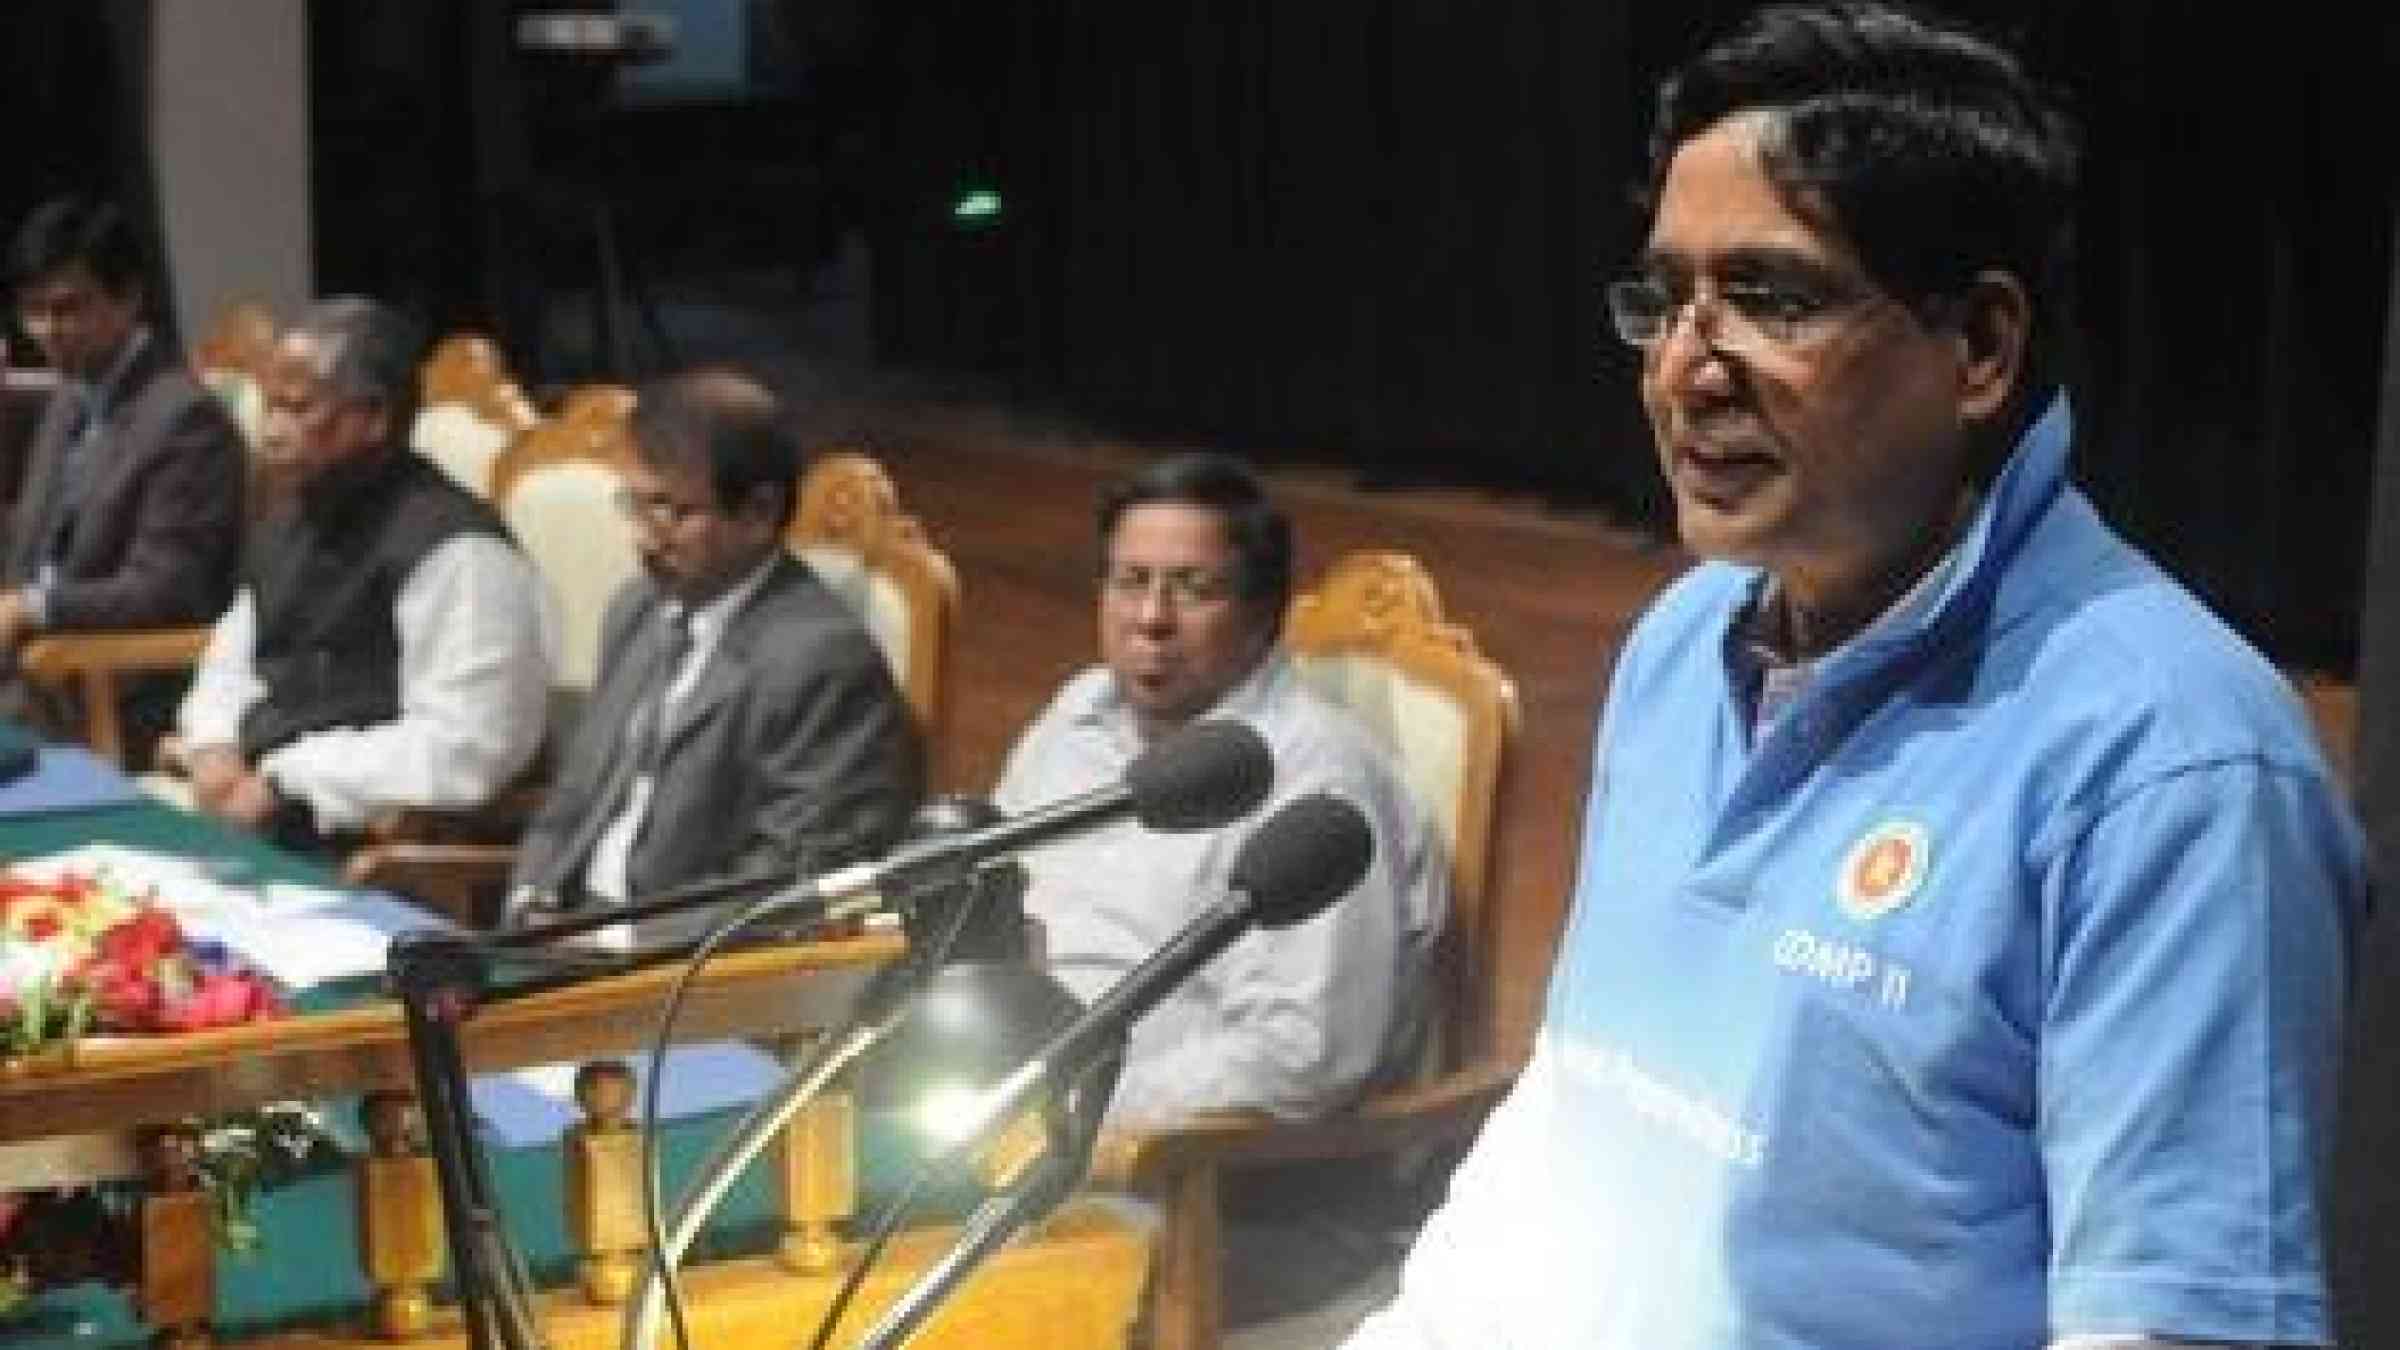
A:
x: 1744, y: 315
x: 45, y: 308
x: 653, y: 508
x: 1132, y: 583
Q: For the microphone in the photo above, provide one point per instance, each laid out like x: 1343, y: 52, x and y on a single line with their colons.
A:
x: 1206, y: 774
x: 1308, y: 854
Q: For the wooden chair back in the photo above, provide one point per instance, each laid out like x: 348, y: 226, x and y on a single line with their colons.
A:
x: 556, y: 489
x: 850, y: 530
x: 231, y: 362
x: 2332, y: 705
x: 469, y: 410
x: 1372, y: 638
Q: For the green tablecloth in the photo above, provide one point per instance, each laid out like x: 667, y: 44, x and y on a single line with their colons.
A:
x: 307, y: 1269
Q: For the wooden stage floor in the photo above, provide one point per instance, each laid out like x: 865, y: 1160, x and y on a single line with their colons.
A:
x: 1549, y: 595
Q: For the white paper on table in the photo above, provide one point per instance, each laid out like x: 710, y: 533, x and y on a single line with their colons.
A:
x: 535, y: 1105
x: 177, y: 879
x: 300, y: 949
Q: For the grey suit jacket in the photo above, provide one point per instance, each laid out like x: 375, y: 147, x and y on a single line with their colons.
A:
x: 158, y: 538
x: 794, y: 751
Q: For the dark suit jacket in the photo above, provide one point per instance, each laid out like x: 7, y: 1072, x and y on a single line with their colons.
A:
x: 158, y: 537
x: 794, y: 751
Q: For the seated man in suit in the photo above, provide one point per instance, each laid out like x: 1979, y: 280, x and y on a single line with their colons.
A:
x: 744, y: 721
x: 129, y: 507
x: 1195, y: 573
x: 389, y: 647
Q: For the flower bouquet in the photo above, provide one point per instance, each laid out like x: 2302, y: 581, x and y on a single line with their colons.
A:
x: 81, y: 953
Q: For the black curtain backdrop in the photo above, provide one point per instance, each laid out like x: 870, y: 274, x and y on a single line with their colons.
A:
x: 75, y: 84
x: 1373, y: 232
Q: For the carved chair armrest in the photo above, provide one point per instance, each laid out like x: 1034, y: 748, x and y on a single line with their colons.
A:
x: 461, y: 881
x: 55, y: 658
x: 87, y: 664
x: 499, y: 821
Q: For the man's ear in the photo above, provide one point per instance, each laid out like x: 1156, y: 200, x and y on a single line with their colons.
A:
x: 381, y: 411
x: 1994, y: 330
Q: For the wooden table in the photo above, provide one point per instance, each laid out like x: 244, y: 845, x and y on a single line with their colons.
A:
x: 108, y: 1084
x: 70, y: 1117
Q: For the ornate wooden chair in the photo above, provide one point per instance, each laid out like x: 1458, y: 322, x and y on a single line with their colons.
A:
x: 850, y: 530
x: 556, y: 487
x: 2332, y: 705
x: 1372, y: 638
x: 470, y: 411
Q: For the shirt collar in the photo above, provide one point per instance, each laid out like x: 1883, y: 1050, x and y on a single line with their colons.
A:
x: 95, y: 393
x: 706, y: 623
x: 1779, y: 679
x: 1948, y: 591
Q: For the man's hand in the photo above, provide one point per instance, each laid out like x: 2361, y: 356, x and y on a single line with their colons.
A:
x: 249, y: 802
x: 214, y: 770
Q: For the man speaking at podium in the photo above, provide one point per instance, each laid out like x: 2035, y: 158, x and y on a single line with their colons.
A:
x: 1959, y: 951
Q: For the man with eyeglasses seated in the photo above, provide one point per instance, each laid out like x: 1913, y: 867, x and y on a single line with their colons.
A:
x: 1959, y: 949
x: 389, y: 648
x: 1195, y: 574
x: 744, y: 722
x: 129, y: 507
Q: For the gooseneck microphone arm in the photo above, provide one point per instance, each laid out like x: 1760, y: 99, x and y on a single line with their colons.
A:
x: 1207, y: 774
x: 1307, y: 855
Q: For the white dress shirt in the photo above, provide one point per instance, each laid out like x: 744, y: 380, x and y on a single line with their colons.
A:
x: 1293, y: 1021
x: 478, y: 640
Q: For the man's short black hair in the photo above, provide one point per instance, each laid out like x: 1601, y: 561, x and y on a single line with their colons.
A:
x: 1938, y: 156
x: 726, y: 426
x: 1259, y: 531
x: 65, y: 231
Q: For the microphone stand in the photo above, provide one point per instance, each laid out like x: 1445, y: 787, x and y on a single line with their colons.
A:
x: 1070, y: 1125
x: 1093, y: 1041
x: 442, y: 980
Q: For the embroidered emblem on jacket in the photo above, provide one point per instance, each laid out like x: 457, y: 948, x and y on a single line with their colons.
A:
x: 1882, y: 871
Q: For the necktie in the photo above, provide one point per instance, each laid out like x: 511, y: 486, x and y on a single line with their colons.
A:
x: 647, y: 740
x: 644, y: 743
x: 66, y: 483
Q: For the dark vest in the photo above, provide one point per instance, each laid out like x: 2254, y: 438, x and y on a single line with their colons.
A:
x: 324, y: 573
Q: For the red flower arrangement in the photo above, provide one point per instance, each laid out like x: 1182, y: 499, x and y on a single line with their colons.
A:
x: 79, y: 953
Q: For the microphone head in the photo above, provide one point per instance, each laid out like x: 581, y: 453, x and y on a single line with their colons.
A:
x: 1308, y: 855
x: 1208, y: 773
